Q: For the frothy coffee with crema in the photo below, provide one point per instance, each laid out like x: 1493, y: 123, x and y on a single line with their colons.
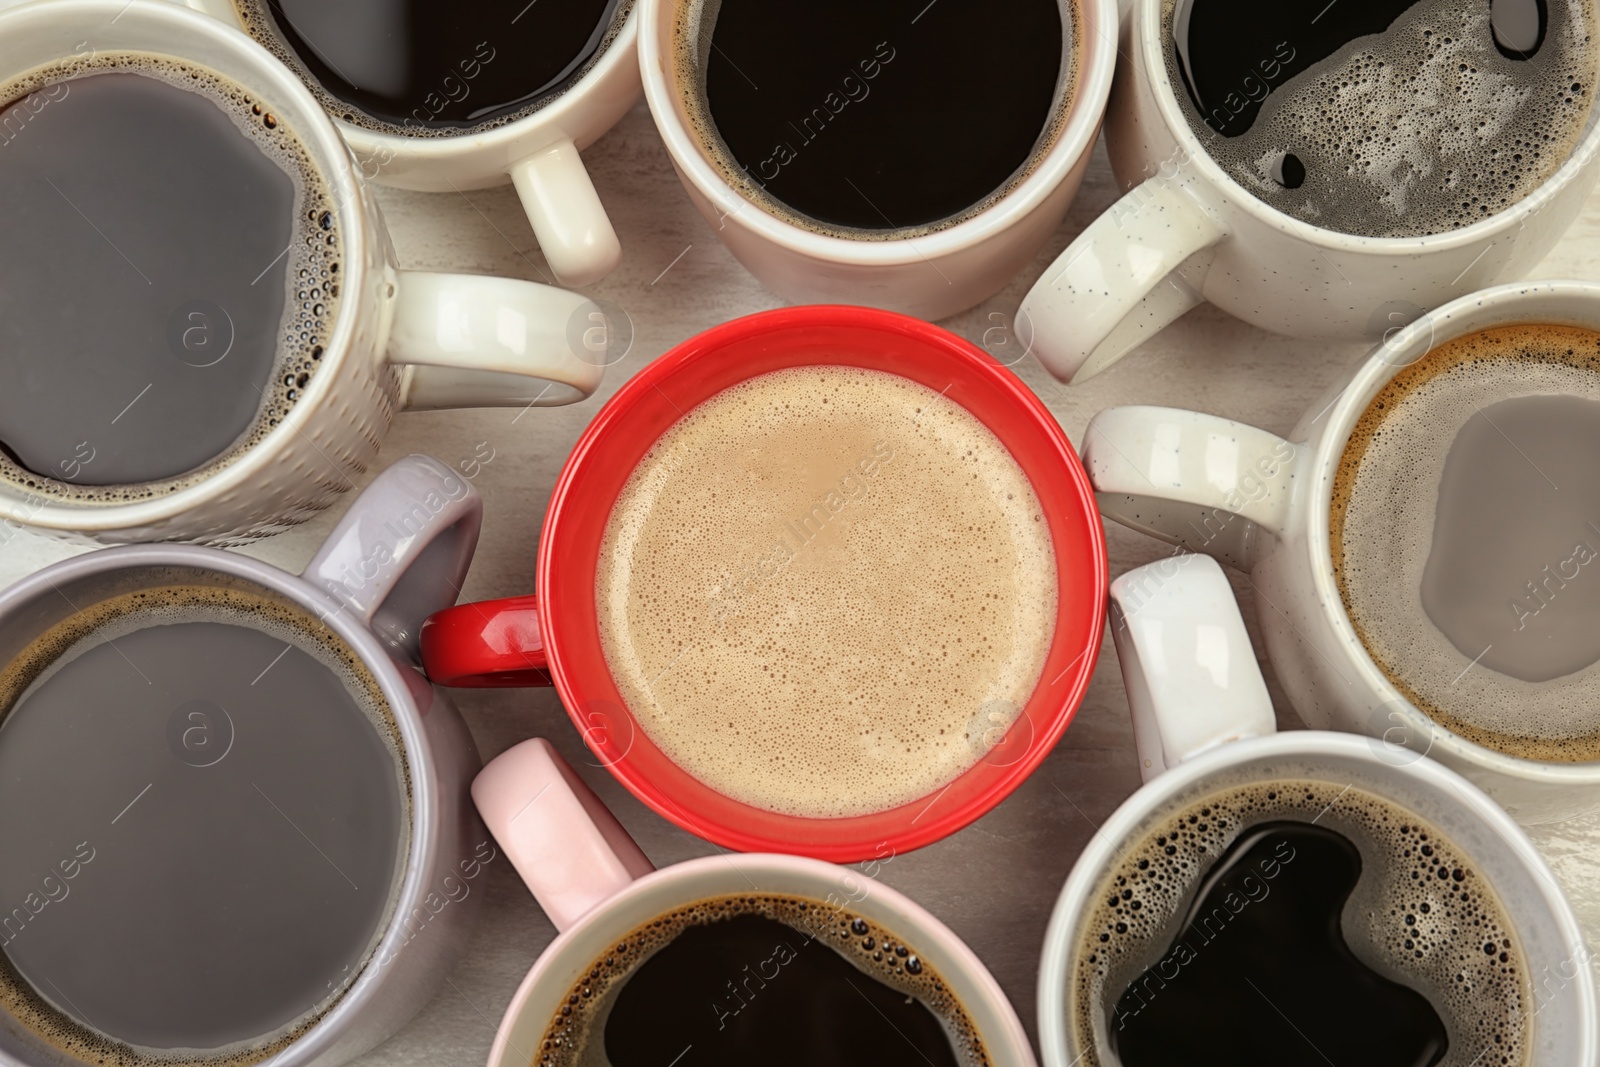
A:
x: 1390, y: 118
x: 761, y: 978
x: 170, y: 279
x: 827, y: 591
x: 1256, y: 923
x: 1465, y: 529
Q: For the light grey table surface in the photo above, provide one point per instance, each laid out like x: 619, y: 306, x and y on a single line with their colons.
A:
x: 993, y: 883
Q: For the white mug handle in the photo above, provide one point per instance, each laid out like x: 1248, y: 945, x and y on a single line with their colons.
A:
x: 1136, y: 268
x: 567, y: 846
x: 1191, y: 675
x: 1201, y: 482
x: 568, y: 219
x: 467, y: 340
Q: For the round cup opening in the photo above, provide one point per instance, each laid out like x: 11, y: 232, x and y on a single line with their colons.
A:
x: 217, y: 769
x: 704, y: 366
x: 1540, y: 921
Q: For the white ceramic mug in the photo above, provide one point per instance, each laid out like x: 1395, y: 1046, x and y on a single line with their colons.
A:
x: 598, y: 887
x: 1261, y: 503
x: 402, y: 340
x: 538, y: 153
x: 1203, y: 723
x: 930, y: 276
x: 1186, y: 232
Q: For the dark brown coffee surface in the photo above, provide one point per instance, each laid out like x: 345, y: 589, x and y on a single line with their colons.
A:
x: 203, y: 817
x: 761, y: 979
x: 1416, y: 918
x: 1265, y: 921
x: 434, y: 67
x: 169, y: 270
x: 878, y: 117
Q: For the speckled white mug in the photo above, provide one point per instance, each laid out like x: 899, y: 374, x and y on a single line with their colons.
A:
x: 401, y: 339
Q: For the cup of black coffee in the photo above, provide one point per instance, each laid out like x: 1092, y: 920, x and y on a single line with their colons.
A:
x: 725, y: 960
x: 203, y: 330
x: 1270, y: 898
x: 448, y: 97
x: 234, y: 822
x: 1324, y: 171
x: 903, y: 155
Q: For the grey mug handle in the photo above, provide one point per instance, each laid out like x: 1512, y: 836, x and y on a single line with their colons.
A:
x: 402, y: 550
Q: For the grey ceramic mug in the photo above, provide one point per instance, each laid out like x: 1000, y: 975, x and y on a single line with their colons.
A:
x: 398, y: 555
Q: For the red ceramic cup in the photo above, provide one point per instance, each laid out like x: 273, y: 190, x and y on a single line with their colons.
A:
x: 553, y: 637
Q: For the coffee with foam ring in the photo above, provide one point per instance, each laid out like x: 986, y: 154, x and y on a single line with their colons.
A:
x: 1464, y: 528
x: 1421, y: 915
x: 157, y: 320
x: 1392, y: 119
x: 204, y: 819
x: 761, y: 978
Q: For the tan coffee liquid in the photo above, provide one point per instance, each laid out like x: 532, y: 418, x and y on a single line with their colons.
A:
x: 1465, y: 532
x: 827, y: 591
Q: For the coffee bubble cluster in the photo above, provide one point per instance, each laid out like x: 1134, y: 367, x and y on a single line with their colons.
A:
x: 1422, y: 129
x: 309, y: 270
x: 575, y: 1037
x: 1421, y: 915
x: 827, y: 591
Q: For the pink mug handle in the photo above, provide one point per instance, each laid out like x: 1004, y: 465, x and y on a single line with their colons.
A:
x: 567, y: 846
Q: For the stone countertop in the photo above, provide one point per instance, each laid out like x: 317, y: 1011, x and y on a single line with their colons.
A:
x: 993, y: 883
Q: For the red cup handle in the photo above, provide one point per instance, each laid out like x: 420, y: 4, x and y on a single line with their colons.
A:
x: 491, y: 644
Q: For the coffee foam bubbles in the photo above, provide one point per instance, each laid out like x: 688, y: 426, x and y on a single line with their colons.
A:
x: 309, y: 269
x: 116, y: 616
x: 827, y: 591
x: 1385, y: 498
x: 1421, y: 915
x: 576, y: 1038
x: 1422, y: 129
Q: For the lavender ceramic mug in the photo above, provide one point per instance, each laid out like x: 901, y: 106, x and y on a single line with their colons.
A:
x: 397, y: 555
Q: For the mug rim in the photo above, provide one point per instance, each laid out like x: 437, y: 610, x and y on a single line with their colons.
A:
x: 361, y: 226
x: 818, y: 872
x: 1102, y: 850
x: 1462, y: 316
x: 1151, y: 52
x: 841, y: 838
x: 1075, y: 141
x: 366, y: 991
x: 451, y: 147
